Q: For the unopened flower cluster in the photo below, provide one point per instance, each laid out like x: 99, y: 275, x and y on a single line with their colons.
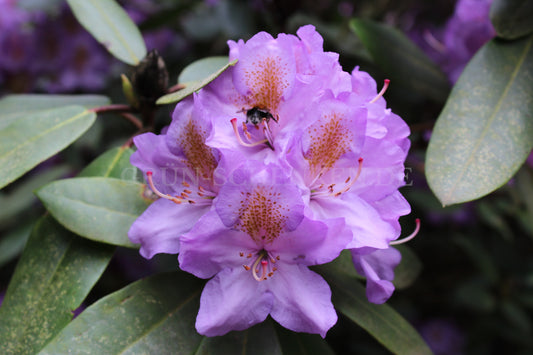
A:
x: 279, y: 164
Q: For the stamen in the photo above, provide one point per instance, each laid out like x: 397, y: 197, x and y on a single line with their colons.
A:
x: 383, y: 89
x: 347, y: 187
x: 411, y: 236
x: 239, y: 139
x: 267, y: 132
x: 264, y: 265
x: 159, y: 193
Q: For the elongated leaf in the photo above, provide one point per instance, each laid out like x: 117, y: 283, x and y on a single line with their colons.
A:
x: 260, y: 339
x: 113, y: 163
x: 14, y: 107
x: 409, y: 269
x: 401, y: 60
x: 193, y: 87
x: 112, y: 27
x: 100, y: 209
x: 31, y: 139
x: 485, y: 131
x: 55, y: 273
x: 21, y: 198
x: 201, y: 69
x: 512, y: 18
x: 152, y: 316
x: 302, y: 344
x: 381, y: 321
x: 12, y: 243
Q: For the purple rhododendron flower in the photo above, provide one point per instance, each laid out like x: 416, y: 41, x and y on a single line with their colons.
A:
x: 257, y: 244
x: 183, y: 169
x: 294, y: 160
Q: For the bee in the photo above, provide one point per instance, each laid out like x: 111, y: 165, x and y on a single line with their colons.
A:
x: 256, y: 115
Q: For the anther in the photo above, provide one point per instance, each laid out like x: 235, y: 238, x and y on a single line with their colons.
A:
x: 411, y: 236
x: 159, y: 193
x: 383, y: 89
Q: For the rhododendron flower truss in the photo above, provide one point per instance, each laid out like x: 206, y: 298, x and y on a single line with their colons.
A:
x: 257, y: 244
x: 293, y: 160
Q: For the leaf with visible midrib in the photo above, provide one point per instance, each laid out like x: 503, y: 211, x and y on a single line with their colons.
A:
x: 54, y: 275
x: 37, y: 136
x: 112, y: 27
x: 101, y: 209
x: 485, y: 131
x: 193, y: 86
x: 381, y: 321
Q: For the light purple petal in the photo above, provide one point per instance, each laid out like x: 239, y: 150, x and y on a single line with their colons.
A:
x: 378, y: 268
x: 302, y: 300
x: 232, y: 302
x: 153, y: 155
x: 312, y: 243
x: 255, y: 180
x: 159, y: 228
x: 368, y: 227
x: 210, y: 247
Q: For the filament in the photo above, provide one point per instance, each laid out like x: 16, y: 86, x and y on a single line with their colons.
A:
x: 383, y: 89
x: 159, y: 193
x: 411, y: 236
x: 239, y: 139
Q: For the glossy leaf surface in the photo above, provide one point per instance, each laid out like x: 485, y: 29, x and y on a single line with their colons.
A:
x: 34, y: 137
x: 381, y: 321
x: 155, y: 315
x: 15, y: 107
x: 194, y: 86
x: 112, y: 27
x: 54, y: 275
x: 56, y: 271
x: 100, y: 209
x: 512, y: 18
x: 485, y: 131
x: 401, y: 60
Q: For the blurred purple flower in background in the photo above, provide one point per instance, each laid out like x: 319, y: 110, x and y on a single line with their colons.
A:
x: 452, y: 46
x: 443, y: 337
x: 51, y: 52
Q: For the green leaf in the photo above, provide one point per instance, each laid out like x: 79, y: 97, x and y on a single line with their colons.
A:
x: 114, y: 163
x: 21, y: 197
x: 55, y: 273
x: 200, y: 69
x: 101, y: 209
x: 194, y: 86
x: 37, y: 136
x: 409, y: 269
x: 15, y: 107
x: 260, y: 339
x: 293, y: 343
x: 12, y: 243
x: 401, y: 60
x: 112, y: 27
x: 53, y: 276
x: 381, y: 321
x: 485, y: 131
x: 512, y: 18
x: 151, y: 316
